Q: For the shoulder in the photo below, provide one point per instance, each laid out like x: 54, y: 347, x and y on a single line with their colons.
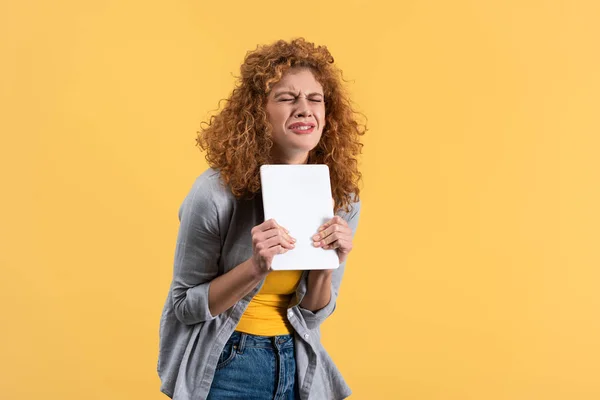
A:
x: 352, y: 215
x: 353, y: 210
x: 209, y: 187
x: 208, y: 193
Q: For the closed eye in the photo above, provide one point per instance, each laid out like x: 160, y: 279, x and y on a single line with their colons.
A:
x: 292, y: 99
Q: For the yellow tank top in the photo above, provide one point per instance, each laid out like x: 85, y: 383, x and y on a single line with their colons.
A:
x: 266, y: 313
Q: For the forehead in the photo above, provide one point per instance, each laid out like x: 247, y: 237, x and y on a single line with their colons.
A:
x: 299, y: 80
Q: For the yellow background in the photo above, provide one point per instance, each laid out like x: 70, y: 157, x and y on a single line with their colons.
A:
x: 475, y: 272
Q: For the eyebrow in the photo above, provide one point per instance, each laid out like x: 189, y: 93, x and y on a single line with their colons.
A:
x: 294, y: 94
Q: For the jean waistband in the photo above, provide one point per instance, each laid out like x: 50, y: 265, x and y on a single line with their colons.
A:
x: 248, y: 340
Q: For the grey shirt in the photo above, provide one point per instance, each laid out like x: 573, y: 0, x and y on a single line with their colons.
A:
x: 214, y: 237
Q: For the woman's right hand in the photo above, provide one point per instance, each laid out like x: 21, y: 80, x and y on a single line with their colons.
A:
x: 268, y: 240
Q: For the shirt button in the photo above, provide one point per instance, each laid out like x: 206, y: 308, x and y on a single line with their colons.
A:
x: 306, y: 336
x: 290, y: 314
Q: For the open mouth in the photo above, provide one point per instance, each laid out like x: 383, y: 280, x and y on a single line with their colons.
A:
x: 302, y: 128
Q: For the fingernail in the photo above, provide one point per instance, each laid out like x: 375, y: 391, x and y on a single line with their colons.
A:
x: 316, y: 237
x: 316, y: 244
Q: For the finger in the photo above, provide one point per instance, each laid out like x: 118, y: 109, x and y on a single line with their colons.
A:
x: 272, y: 232
x: 278, y: 240
x: 272, y: 252
x: 265, y: 226
x: 336, y: 236
x: 330, y: 239
x: 340, y: 229
x: 343, y: 244
x: 334, y: 245
x: 279, y: 226
x: 269, y: 224
x: 282, y: 250
x: 335, y: 220
x: 287, y: 233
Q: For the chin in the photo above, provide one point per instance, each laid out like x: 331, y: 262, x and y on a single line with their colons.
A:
x: 306, y: 149
x: 307, y: 142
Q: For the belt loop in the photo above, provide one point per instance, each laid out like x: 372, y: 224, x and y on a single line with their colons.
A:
x: 242, y: 344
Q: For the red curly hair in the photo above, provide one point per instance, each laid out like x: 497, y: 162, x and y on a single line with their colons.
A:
x: 238, y: 139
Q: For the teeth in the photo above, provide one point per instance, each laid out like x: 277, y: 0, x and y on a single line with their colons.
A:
x: 303, y: 128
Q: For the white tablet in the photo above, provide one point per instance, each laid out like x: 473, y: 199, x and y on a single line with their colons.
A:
x: 299, y: 198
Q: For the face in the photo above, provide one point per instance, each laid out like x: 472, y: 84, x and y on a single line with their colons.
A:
x: 296, y: 111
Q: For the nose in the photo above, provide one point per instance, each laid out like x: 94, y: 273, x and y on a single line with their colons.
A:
x: 303, y: 109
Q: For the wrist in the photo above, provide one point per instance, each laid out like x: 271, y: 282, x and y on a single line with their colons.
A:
x: 321, y: 273
x: 256, y: 271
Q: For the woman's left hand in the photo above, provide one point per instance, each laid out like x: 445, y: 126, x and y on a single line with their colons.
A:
x: 335, y: 234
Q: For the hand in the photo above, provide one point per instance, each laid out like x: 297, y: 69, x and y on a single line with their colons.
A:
x: 335, y: 234
x: 268, y: 240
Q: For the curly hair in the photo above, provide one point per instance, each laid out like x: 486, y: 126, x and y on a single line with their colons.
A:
x: 238, y: 141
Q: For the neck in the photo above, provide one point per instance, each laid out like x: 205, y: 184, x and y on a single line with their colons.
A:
x: 295, y: 159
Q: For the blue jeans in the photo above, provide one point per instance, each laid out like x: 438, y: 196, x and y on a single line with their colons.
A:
x: 256, y: 368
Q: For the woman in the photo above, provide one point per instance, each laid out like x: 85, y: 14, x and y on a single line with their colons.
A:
x: 231, y: 328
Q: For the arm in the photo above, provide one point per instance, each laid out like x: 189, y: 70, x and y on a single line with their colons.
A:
x: 318, y: 292
x: 268, y: 240
x: 323, y: 285
x: 198, y: 293
x: 197, y: 254
x: 229, y: 288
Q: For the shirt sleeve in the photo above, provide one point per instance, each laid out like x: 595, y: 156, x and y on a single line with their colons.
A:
x: 315, y: 319
x: 197, y: 255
